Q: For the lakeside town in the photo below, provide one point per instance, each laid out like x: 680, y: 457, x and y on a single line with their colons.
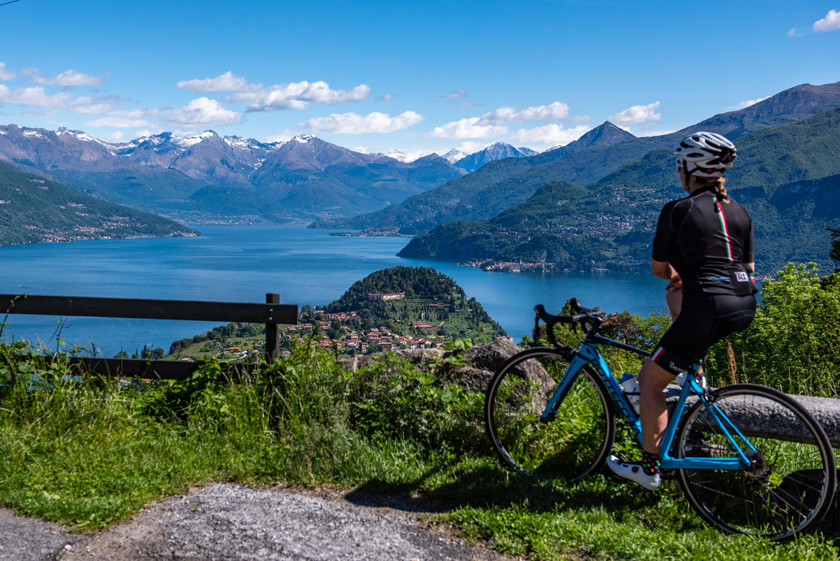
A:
x: 418, y: 324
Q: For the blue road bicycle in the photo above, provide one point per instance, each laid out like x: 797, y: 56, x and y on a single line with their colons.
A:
x: 748, y: 458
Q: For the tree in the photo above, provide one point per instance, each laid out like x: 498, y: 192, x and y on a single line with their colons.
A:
x: 835, y: 247
x: 121, y: 355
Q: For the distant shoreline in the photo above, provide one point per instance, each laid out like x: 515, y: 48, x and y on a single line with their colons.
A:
x: 370, y: 234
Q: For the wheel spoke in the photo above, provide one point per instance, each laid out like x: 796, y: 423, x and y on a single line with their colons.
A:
x: 570, y: 446
x: 790, y: 484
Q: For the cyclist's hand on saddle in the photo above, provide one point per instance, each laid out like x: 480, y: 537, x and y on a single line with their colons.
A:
x: 674, y: 284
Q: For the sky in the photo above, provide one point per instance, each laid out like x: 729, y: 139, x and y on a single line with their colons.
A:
x: 417, y: 76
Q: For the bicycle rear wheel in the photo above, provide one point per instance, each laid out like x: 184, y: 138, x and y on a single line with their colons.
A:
x: 792, y: 481
x: 571, y: 446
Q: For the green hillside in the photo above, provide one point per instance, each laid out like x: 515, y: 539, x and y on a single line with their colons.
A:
x: 505, y: 183
x: 785, y: 176
x: 431, y: 310
x: 36, y: 210
x: 428, y: 296
x: 229, y: 205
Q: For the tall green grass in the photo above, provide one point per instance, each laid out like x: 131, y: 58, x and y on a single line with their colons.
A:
x: 91, y: 453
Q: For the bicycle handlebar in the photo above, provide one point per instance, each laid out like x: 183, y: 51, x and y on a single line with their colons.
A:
x: 588, y: 317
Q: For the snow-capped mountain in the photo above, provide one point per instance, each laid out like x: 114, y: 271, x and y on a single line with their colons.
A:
x: 164, y: 173
x: 497, y: 151
x: 454, y: 155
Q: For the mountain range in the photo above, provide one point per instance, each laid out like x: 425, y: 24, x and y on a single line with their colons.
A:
x: 502, y: 184
x: 497, y: 151
x: 299, y: 180
x: 788, y: 178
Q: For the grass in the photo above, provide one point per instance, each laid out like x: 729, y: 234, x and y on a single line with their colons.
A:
x: 90, y: 454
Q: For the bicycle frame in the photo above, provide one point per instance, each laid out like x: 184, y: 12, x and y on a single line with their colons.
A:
x: 588, y: 354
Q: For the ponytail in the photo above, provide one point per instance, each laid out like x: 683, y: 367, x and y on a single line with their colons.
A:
x: 720, y: 190
x: 716, y: 183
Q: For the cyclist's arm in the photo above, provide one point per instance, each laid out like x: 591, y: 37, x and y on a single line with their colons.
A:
x: 663, y: 270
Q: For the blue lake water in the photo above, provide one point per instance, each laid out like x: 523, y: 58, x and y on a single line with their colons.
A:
x: 243, y: 263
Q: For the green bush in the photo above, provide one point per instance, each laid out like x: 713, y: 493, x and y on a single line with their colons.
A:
x: 794, y: 343
x: 392, y: 399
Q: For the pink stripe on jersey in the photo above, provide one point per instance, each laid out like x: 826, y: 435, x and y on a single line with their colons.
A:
x: 725, y: 231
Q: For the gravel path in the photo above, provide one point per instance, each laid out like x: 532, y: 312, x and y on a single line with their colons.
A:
x: 30, y: 539
x: 226, y: 522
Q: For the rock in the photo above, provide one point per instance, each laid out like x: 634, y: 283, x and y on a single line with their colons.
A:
x: 483, y: 361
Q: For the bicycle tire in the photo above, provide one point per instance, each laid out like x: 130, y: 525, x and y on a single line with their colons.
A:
x: 573, y: 445
x: 792, y: 482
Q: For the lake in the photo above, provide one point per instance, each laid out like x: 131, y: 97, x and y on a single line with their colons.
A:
x: 243, y: 263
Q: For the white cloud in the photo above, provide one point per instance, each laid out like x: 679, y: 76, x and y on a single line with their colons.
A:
x: 831, y: 22
x: 116, y: 137
x: 494, y: 122
x: 227, y: 82
x: 203, y: 112
x: 794, y: 32
x: 71, y: 78
x: 386, y: 97
x: 471, y: 146
x: 467, y: 128
x: 6, y: 74
x: 122, y: 119
x: 581, y: 119
x: 284, y: 137
x: 552, y: 134
x: 352, y: 123
x: 745, y: 104
x: 637, y: 115
x: 11, y: 74
x: 507, y: 115
x: 37, y: 97
x: 146, y: 133
x: 299, y: 95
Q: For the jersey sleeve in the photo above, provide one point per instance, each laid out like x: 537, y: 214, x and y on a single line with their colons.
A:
x: 663, y: 241
x: 749, y: 246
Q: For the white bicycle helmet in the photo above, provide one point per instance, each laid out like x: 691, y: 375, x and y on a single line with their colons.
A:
x: 705, y: 154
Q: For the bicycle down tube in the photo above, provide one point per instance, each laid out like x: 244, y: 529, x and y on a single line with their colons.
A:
x: 588, y: 354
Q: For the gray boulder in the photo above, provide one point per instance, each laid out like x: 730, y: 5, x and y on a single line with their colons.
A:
x: 483, y: 361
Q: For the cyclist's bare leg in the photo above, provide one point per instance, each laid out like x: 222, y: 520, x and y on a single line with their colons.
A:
x: 673, y: 296
x: 653, y: 380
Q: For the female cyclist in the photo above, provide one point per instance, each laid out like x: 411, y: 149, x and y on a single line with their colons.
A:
x: 703, y: 247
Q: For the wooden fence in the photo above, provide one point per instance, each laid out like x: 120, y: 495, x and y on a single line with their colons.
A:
x: 272, y: 314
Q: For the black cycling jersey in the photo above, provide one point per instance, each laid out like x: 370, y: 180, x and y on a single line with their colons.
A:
x: 708, y: 242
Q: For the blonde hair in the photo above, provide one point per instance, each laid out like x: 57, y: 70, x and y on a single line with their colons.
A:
x: 716, y: 183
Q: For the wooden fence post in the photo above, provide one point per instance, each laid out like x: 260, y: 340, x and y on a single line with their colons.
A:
x: 272, y: 335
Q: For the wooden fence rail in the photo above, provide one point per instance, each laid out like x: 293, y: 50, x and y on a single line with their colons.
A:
x: 272, y: 314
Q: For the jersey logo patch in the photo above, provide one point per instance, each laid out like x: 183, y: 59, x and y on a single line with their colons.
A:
x: 741, y: 276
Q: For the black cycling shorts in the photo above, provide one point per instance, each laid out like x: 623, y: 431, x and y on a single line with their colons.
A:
x: 704, y: 320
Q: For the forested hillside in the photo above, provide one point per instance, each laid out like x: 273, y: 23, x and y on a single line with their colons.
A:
x: 35, y: 210
x: 786, y: 176
x: 505, y: 183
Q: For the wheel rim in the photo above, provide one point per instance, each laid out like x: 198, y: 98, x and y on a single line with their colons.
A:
x: 571, y: 446
x: 787, y: 487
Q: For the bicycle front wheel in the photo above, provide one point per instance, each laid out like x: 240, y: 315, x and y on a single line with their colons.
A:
x: 791, y: 482
x: 572, y: 445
